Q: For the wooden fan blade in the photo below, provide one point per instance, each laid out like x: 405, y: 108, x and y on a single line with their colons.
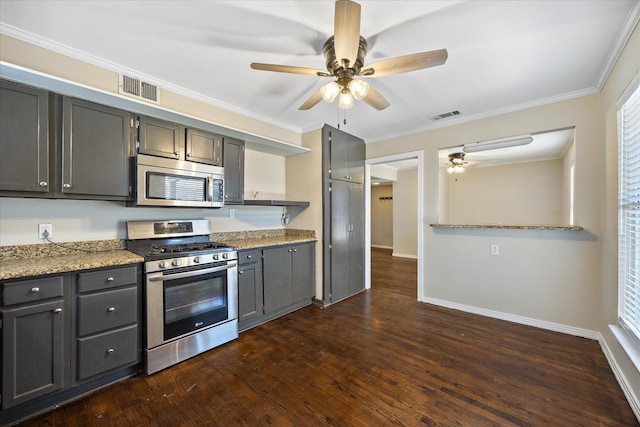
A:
x: 311, y: 102
x: 403, y: 64
x: 289, y: 69
x: 346, y: 31
x: 375, y: 99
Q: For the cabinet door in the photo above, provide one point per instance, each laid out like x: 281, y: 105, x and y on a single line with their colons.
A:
x: 340, y: 233
x: 32, y: 351
x: 356, y: 238
x: 204, y: 147
x: 303, y: 263
x: 24, y: 142
x: 95, y: 150
x: 277, y: 278
x: 159, y: 138
x: 356, y: 155
x: 249, y: 292
x: 233, y: 170
x: 346, y: 154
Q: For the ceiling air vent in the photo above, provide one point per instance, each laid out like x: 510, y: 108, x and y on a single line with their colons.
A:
x: 445, y: 115
x: 138, y: 89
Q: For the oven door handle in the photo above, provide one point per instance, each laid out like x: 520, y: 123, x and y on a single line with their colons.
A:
x: 156, y: 277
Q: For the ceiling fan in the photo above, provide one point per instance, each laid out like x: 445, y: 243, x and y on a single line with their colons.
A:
x: 344, y: 54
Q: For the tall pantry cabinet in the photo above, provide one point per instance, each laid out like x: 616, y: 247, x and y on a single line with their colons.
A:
x: 343, y: 157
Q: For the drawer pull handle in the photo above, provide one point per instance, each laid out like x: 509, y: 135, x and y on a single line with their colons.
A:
x: 110, y: 279
x: 111, y: 309
x: 57, y: 311
x: 35, y: 290
x: 109, y: 351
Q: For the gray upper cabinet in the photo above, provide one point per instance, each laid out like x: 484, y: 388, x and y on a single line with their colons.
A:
x: 233, y: 163
x: 346, y: 155
x: 24, y: 140
x: 204, y: 147
x: 96, y: 143
x: 159, y: 138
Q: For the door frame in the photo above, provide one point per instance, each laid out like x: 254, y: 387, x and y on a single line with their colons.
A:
x: 420, y: 226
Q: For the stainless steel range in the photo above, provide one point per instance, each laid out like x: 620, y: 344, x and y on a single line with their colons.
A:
x: 191, y: 289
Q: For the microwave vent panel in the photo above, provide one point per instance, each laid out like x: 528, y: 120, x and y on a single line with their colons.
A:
x: 137, y: 88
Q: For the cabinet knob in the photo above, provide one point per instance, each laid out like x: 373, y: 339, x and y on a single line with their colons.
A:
x: 289, y: 250
x: 110, y: 279
x: 188, y: 154
x: 248, y: 256
x: 35, y: 290
x: 240, y: 272
x: 109, y: 351
x: 66, y: 185
x: 176, y: 152
x: 43, y: 184
x: 111, y: 309
x: 57, y: 311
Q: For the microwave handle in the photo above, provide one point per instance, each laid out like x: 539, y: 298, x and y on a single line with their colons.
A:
x: 209, y: 189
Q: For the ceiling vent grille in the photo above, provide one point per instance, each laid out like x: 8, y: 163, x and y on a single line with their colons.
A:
x: 138, y: 89
x: 446, y: 115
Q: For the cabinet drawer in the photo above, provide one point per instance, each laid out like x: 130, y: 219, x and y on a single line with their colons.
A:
x: 107, y: 310
x: 32, y: 290
x: 106, y: 279
x: 100, y: 353
x: 247, y: 257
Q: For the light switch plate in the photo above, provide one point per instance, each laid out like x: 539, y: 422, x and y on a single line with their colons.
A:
x: 495, y: 250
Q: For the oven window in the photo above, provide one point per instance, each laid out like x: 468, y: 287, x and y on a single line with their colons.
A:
x: 176, y: 187
x: 194, y: 303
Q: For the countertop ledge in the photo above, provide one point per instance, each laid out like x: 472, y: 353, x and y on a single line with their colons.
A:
x: 511, y: 227
x: 263, y: 242
x: 26, y: 267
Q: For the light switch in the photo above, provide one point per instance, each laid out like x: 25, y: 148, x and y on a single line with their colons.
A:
x: 495, y: 250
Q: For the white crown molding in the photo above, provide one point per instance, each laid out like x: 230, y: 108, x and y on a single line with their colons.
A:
x: 62, y: 49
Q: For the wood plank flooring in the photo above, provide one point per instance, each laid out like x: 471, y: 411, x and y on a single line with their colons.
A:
x: 378, y: 358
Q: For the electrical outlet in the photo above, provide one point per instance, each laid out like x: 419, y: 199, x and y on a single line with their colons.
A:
x: 42, y: 228
x: 232, y: 213
x: 495, y: 250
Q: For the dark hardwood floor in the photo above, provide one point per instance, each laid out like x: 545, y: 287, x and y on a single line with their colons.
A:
x: 378, y: 358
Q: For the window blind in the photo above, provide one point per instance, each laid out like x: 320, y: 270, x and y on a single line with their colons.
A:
x: 629, y: 215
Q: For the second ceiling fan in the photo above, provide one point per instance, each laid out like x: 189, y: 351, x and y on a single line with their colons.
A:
x: 344, y: 54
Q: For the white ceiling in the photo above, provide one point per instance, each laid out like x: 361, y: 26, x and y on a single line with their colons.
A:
x: 503, y: 55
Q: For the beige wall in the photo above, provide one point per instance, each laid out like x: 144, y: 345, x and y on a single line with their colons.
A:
x: 405, y: 214
x: 627, y: 66
x: 549, y: 276
x: 382, y: 216
x: 516, y: 194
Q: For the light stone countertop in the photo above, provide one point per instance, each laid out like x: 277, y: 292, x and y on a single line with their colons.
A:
x: 241, y: 244
x: 26, y: 267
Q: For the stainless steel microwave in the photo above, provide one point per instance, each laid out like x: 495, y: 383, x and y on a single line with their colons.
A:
x: 169, y: 182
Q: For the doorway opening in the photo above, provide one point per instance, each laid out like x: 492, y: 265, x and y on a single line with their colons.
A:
x: 390, y: 163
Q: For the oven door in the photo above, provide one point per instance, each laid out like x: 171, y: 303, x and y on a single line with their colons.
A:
x: 179, y: 303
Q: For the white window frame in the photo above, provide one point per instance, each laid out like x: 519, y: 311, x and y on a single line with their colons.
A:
x: 628, y: 329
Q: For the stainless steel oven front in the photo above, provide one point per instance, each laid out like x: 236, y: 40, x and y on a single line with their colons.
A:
x: 189, y: 309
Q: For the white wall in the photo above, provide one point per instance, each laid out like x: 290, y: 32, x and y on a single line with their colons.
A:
x: 515, y: 194
x: 264, y: 174
x: 382, y: 216
x: 405, y: 214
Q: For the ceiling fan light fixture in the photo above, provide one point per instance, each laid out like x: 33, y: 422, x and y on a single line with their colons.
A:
x: 330, y: 91
x: 345, y: 101
x: 358, y: 88
x: 456, y: 163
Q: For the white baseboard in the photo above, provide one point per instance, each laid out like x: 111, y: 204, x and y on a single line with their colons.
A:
x: 382, y: 247
x: 557, y: 327
x: 634, y: 401
x: 404, y: 255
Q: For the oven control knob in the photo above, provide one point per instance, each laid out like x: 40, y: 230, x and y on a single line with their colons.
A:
x: 164, y: 264
x: 225, y: 256
x: 197, y: 259
x: 176, y: 263
x: 216, y: 256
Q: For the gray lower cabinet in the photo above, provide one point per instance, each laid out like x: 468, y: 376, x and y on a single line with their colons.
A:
x: 68, y: 334
x: 33, y: 337
x: 233, y: 161
x: 281, y: 281
x: 250, y: 305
